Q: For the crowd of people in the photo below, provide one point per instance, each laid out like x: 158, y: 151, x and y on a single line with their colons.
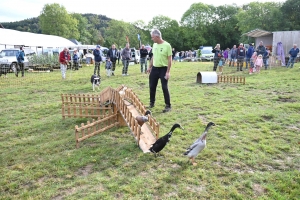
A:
x: 255, y: 58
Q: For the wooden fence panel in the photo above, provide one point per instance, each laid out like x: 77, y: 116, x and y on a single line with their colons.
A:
x: 94, y: 128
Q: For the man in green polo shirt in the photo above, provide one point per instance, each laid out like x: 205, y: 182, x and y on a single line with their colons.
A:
x: 159, y: 68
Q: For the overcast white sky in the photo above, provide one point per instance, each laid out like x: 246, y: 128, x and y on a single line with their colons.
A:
x: 126, y: 10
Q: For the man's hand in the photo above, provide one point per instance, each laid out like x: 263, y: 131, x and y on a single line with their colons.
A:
x: 167, y: 76
x: 149, y: 70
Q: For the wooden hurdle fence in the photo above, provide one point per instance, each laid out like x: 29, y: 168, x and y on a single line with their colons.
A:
x: 81, y: 105
x: 231, y: 79
x: 154, y: 125
x: 131, y: 97
x: 109, y: 109
x: 96, y: 127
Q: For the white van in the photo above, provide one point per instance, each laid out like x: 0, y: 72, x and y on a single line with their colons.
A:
x: 135, y: 56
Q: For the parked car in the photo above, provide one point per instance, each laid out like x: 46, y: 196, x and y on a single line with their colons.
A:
x: 8, y: 60
x: 206, y: 54
x: 135, y: 56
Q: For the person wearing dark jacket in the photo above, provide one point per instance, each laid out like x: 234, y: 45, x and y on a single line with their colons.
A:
x: 113, y: 55
x: 119, y: 55
x: 20, y: 62
x: 98, y: 59
x: 241, y: 52
x: 218, y: 54
x: 143, y: 60
x: 249, y: 54
x: 75, y: 59
x: 293, y: 55
x: 261, y: 49
x: 150, y: 54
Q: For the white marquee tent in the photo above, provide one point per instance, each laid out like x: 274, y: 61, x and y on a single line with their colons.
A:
x: 10, y: 38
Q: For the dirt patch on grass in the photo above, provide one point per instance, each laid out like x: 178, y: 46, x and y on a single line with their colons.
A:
x: 85, y: 171
x: 203, y: 119
x: 67, y: 192
x: 293, y: 128
x: 258, y: 190
x: 267, y: 117
x: 195, y: 188
x: 286, y: 99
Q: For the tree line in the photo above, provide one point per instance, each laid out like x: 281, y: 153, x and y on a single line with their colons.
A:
x: 200, y: 25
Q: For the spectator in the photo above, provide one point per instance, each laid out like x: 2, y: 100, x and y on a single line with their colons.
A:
x: 143, y: 60
x: 112, y: 54
x: 252, y: 62
x: 159, y: 68
x: 150, y: 55
x: 225, y: 55
x: 260, y: 49
x: 98, y: 59
x: 20, y: 63
x: 293, y: 55
x: 173, y: 55
x: 108, y: 67
x: 126, y: 56
x: 75, y: 59
x: 241, y: 52
x: 249, y: 55
x: 258, y: 63
x: 64, y: 60
x: 217, y: 56
x: 233, y: 55
x: 180, y: 56
x: 119, y: 55
x: 266, y: 58
x: 229, y: 56
x: 221, y: 64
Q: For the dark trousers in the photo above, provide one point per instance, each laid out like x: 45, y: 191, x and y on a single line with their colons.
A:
x: 240, y: 63
x: 216, y: 62
x: 21, y: 68
x: 75, y: 65
x: 113, y: 66
x: 155, y: 74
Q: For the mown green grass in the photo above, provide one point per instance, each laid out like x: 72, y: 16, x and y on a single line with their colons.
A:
x: 252, y: 152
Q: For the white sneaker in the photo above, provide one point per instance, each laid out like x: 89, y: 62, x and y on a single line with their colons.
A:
x: 123, y: 74
x: 127, y: 74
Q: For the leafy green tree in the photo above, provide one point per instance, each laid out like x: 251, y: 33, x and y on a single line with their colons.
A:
x: 142, y: 29
x: 266, y: 16
x: 96, y: 37
x: 83, y: 27
x: 195, y: 22
x: 223, y: 29
x: 116, y: 33
x: 291, y: 14
x: 169, y: 29
x: 55, y: 20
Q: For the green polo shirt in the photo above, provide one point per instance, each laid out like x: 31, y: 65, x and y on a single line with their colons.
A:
x: 161, y: 52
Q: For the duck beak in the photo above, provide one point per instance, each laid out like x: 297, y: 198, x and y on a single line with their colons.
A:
x: 181, y: 127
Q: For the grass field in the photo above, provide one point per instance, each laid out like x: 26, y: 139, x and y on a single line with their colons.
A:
x: 251, y: 153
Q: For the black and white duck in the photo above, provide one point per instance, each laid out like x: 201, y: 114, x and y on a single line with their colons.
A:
x: 198, y: 145
x: 162, y: 142
x: 142, y: 119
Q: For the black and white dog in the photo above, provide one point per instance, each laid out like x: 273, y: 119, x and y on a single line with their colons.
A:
x: 95, y: 80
